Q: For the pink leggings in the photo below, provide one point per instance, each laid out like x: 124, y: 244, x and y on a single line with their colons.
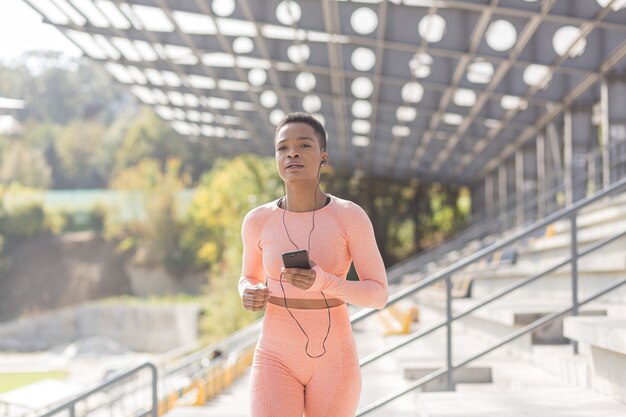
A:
x: 285, y: 382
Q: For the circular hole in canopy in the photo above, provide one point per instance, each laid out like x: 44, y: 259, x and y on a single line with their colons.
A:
x: 363, y: 59
x: 420, y: 65
x: 276, y: 116
x: 362, y: 87
x: 432, y: 28
x: 364, y: 20
x: 298, y: 53
x: 361, y: 127
x: 223, y: 8
x: 501, y: 35
x: 305, y: 82
x: 412, y: 92
x: 257, y: 76
x: 243, y: 45
x: 288, y: 12
x: 406, y: 113
x: 565, y: 37
x: 268, y: 98
x: 361, y: 109
x: 311, y: 103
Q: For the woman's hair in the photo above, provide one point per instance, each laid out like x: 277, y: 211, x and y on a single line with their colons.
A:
x: 301, y: 117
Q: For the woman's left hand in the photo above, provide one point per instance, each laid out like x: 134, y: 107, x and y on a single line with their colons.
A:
x: 300, y: 278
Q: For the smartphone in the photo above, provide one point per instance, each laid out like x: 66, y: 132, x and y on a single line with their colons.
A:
x: 296, y: 259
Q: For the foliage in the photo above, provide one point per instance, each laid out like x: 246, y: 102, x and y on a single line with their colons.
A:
x: 407, y: 216
x: 223, y: 312
x: 148, y: 136
x: 83, y: 130
x: 62, y: 221
x: 60, y: 91
x: 25, y: 165
x: 220, y: 203
x: 223, y: 197
x: 78, y: 148
x: 158, y: 237
x: 21, y: 213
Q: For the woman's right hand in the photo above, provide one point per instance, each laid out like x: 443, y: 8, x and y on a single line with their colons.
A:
x: 255, y: 297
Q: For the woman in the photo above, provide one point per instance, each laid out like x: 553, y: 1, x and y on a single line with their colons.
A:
x: 306, y: 360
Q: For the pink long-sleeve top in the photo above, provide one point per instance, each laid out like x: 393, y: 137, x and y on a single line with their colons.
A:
x: 343, y: 234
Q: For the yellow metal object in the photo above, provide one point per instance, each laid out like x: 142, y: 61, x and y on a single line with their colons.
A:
x: 201, y: 393
x: 397, y: 321
x: 211, y: 384
x: 171, y: 400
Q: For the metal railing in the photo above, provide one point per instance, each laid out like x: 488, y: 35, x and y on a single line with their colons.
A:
x: 71, y: 408
x: 446, y: 274
x: 507, y: 217
x: 194, y: 366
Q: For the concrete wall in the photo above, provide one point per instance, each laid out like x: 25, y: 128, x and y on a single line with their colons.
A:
x: 143, y: 328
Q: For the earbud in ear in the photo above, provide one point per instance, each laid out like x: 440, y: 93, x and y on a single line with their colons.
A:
x: 323, y: 163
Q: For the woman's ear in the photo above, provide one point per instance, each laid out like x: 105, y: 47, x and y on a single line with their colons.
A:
x: 324, y: 158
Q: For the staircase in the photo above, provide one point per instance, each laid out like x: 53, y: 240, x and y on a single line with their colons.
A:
x: 536, y: 327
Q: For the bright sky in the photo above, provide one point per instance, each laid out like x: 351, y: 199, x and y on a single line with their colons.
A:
x: 21, y: 29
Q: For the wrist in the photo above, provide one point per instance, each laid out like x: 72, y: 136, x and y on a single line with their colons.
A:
x: 320, y: 279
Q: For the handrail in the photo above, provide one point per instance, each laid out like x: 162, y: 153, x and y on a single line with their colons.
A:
x: 410, y: 338
x: 569, y: 212
x: 439, y: 275
x: 488, y: 225
x: 243, y: 336
x: 524, y: 330
x: 70, y: 405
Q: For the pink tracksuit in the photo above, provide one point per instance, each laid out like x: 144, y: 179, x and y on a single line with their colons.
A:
x: 285, y: 382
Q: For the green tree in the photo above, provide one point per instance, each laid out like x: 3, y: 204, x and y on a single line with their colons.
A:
x: 158, y: 237
x: 78, y: 149
x: 24, y: 165
x: 149, y: 137
x: 223, y: 197
x: 407, y: 216
x: 59, y: 90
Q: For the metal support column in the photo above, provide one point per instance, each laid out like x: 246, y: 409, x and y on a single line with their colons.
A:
x: 519, y: 187
x: 555, y: 168
x: 502, y: 196
x: 568, y: 156
x: 617, y: 125
x: 542, y: 186
x: 449, y: 382
x: 574, y: 263
x: 581, y: 145
x: 604, y: 132
x: 529, y: 163
x: 477, y: 192
x: 489, y: 195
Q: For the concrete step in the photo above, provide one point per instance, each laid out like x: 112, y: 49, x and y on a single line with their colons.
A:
x: 506, y: 315
x: 477, y: 388
x: 465, y: 375
x: 532, y: 403
x: 520, y: 390
x: 602, y: 340
x: 600, y: 262
x: 598, y: 213
x: 588, y: 234
x: 561, y: 362
x: 555, y: 286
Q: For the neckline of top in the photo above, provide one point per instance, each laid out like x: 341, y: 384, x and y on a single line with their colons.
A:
x: 330, y: 203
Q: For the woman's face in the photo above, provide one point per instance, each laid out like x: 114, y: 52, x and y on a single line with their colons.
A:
x: 298, y: 153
